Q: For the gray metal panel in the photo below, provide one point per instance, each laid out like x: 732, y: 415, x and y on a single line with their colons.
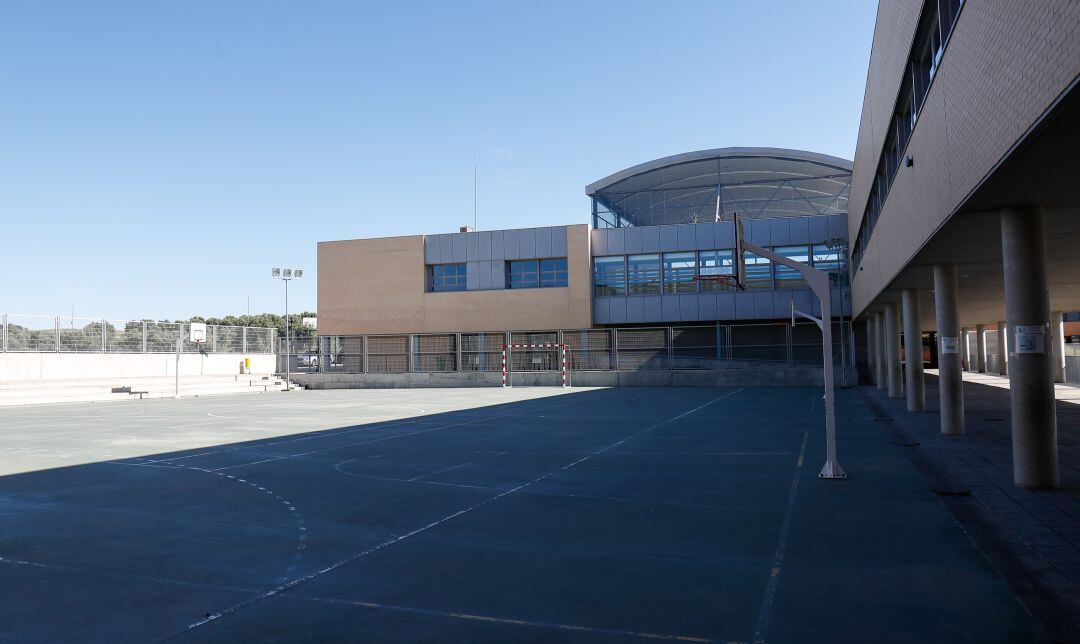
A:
x: 724, y: 235
x: 510, y: 244
x: 687, y: 239
x: 472, y: 247
x: 483, y: 244
x: 600, y: 310
x: 543, y: 242
x: 654, y: 308
x: 635, y: 309
x: 688, y: 307
x: 616, y: 310
x: 459, y: 249
x: 558, y: 241
x: 484, y: 279
x: 763, y: 305
x: 431, y: 249
x: 779, y: 232
x: 725, y: 306
x: 799, y: 230
x: 598, y: 241
x: 669, y: 239
x: 650, y: 239
x: 744, y: 306
x: 472, y: 276
x: 498, y: 274
x: 819, y: 229
x: 498, y: 244
x: 615, y: 244
x: 757, y: 231
x: 527, y: 244
x: 704, y: 238
x: 446, y: 249
x: 670, y: 310
x: 837, y: 226
x: 804, y: 301
x: 632, y: 241
x: 707, y: 306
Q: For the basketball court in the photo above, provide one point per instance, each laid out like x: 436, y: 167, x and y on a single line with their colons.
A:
x: 482, y: 515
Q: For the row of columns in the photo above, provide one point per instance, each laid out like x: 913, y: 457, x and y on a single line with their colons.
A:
x: 1030, y: 348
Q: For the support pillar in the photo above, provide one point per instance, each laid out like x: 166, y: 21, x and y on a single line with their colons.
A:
x: 879, y: 340
x: 1031, y: 381
x: 980, y: 347
x: 950, y: 372
x: 1057, y: 334
x: 965, y: 351
x: 1002, y: 349
x: 894, y: 372
x: 914, y: 381
x: 870, y: 366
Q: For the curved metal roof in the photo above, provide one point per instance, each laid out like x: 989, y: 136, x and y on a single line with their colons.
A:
x: 756, y: 182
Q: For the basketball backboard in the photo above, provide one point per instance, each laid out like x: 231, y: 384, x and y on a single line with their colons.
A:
x: 197, y: 332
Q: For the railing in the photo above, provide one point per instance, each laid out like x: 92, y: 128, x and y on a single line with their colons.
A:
x: 626, y: 348
x: 59, y: 334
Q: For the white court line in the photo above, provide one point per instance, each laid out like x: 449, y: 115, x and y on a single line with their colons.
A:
x: 765, y: 614
x: 389, y: 542
x: 445, y: 469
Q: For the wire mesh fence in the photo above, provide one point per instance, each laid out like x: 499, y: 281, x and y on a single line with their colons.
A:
x: 626, y: 348
x: 62, y: 334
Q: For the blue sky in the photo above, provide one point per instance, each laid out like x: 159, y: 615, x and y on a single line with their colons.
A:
x: 157, y: 159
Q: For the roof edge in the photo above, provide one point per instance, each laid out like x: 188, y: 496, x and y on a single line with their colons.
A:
x: 717, y: 153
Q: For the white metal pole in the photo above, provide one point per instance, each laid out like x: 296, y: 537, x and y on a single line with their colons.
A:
x: 179, y: 348
x: 288, y: 347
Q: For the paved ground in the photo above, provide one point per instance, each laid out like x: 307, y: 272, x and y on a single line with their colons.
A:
x: 1033, y: 535
x: 480, y: 515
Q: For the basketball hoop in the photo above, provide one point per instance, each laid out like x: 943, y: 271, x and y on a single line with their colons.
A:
x: 730, y: 280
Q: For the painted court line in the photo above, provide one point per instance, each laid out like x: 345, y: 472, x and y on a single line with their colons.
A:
x: 393, y: 540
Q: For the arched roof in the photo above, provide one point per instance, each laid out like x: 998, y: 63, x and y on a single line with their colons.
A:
x: 755, y: 182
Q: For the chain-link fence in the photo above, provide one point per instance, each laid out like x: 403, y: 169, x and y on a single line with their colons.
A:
x: 60, y: 334
x: 626, y: 348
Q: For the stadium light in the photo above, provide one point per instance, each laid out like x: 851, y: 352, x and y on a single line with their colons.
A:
x: 286, y: 275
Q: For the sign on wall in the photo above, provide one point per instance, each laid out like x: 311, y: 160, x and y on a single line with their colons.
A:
x: 950, y: 344
x: 1030, y: 338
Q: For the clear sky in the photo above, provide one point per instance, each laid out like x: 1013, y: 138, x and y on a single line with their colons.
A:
x: 158, y: 158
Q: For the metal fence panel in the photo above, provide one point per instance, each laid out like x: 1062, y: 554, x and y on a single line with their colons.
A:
x: 693, y: 347
x: 31, y: 333
x: 123, y: 336
x: 641, y: 348
x: 482, y: 351
x: 591, y: 349
x: 80, y: 335
x: 760, y: 342
x: 535, y: 359
x: 436, y: 352
x: 388, y: 353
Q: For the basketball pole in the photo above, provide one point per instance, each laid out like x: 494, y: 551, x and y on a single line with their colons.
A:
x: 819, y: 283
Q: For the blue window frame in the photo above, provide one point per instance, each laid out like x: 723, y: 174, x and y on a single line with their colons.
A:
x: 536, y: 273
x: 553, y: 272
x: 444, y: 278
x: 609, y: 275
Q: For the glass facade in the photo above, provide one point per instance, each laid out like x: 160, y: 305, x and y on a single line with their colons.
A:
x: 716, y: 262
x: 787, y: 277
x: 679, y: 272
x: 609, y: 275
x: 536, y: 273
x: 758, y: 272
x: 643, y: 274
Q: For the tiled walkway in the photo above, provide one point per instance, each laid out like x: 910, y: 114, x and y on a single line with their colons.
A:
x: 1037, y: 532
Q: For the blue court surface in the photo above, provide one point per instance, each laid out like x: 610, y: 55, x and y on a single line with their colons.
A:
x: 482, y: 515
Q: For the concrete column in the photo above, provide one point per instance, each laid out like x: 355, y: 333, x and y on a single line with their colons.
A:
x: 950, y: 373
x: 1002, y: 349
x: 870, y: 347
x: 1057, y: 335
x: 880, y: 360
x: 965, y: 353
x: 1031, y: 381
x: 914, y: 381
x: 980, y: 347
x: 894, y: 370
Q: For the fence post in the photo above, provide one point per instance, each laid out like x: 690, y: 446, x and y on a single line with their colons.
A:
x: 788, y: 340
x: 727, y: 342
x: 213, y: 339
x: 669, y: 340
x: 104, y: 339
x: 457, y: 351
x: 243, y: 340
x: 615, y: 349
x: 363, y: 354
x: 144, y: 342
x: 58, y: 334
x: 3, y: 334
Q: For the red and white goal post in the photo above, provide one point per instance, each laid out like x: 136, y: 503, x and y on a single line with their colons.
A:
x: 564, y: 359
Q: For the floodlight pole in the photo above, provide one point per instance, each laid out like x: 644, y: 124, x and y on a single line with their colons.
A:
x: 819, y: 283
x: 287, y: 275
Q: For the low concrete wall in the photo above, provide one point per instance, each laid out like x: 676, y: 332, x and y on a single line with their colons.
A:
x: 88, y: 366
x: 771, y: 376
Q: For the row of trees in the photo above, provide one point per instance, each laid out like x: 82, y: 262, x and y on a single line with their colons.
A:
x: 272, y: 320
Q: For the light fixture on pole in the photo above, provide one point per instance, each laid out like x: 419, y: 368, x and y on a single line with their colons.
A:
x: 286, y: 275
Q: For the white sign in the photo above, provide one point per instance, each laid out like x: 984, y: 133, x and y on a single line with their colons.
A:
x: 950, y: 344
x: 1029, y: 338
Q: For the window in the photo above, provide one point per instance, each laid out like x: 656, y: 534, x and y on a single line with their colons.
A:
x: 523, y: 273
x: 787, y: 277
x: 553, y: 272
x: 446, y: 277
x: 536, y: 273
x: 609, y: 275
x: 679, y: 272
x: 715, y: 262
x: 643, y: 274
x: 758, y: 273
x: 831, y: 260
